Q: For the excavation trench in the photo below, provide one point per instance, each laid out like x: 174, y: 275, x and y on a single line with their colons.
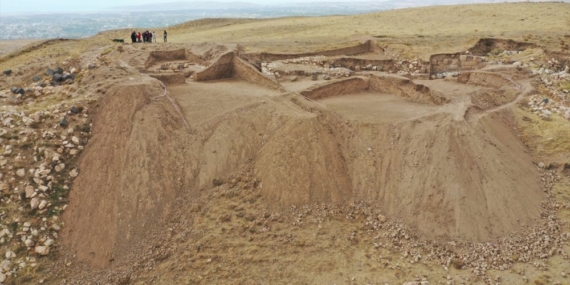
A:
x: 396, y: 144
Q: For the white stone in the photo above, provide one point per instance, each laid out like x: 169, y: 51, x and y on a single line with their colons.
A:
x: 34, y: 203
x: 29, y: 243
x: 42, y: 205
x: 5, y: 265
x: 75, y: 140
x: 49, y: 242
x: 546, y: 112
x: 73, y: 173
x: 29, y: 191
x: 21, y: 172
x: 38, y: 181
x: 2, y: 277
x: 70, y: 131
x: 42, y: 250
x: 10, y: 254
x: 59, y: 167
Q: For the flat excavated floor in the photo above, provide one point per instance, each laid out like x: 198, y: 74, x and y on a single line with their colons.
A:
x: 203, y: 101
x: 372, y: 107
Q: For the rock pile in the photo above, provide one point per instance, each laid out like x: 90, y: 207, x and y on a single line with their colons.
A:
x: 43, y: 130
x: 36, y: 171
x: 545, y: 107
x: 173, y: 67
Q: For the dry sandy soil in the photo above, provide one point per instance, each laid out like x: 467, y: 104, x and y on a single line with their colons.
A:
x: 7, y: 46
x: 241, y: 154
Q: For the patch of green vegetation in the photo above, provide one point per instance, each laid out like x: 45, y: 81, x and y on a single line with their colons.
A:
x: 86, y: 128
x: 564, y: 86
x: 26, y: 145
x: 496, y: 51
x: 57, y: 197
x: 107, y: 51
x: 14, y: 226
x: 35, y: 125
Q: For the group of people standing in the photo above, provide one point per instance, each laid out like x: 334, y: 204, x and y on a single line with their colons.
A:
x: 145, y: 37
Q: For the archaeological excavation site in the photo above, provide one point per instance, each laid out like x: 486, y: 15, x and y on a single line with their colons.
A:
x: 207, y: 162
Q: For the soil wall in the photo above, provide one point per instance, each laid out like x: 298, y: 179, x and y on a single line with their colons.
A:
x: 405, y: 88
x: 223, y: 67
x: 487, y: 45
x: 249, y: 73
x: 361, y: 48
x: 455, y: 62
x: 165, y: 55
x: 487, y: 79
x: 336, y: 88
x: 170, y: 78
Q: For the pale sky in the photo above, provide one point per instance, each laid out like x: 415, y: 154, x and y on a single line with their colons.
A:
x: 16, y: 6
x: 23, y: 6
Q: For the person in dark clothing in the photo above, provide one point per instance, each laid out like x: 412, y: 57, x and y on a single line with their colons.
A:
x: 165, y: 35
x: 134, y: 37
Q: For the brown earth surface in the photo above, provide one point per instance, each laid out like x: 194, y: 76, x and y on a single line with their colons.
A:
x: 204, y: 165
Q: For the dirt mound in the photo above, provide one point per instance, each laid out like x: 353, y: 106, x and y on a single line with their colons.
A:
x: 405, y: 148
x: 125, y: 188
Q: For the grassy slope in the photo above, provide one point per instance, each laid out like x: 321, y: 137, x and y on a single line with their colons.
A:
x: 442, y: 28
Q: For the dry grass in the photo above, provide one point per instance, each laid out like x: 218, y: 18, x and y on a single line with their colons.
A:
x: 437, y: 29
x: 548, y: 139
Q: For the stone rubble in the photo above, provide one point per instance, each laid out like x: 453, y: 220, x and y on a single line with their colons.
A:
x: 36, y: 147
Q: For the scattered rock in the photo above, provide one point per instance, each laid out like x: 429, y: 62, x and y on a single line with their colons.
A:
x: 42, y: 250
x: 7, y: 72
x: 34, y: 203
x: 30, y: 191
x: 36, y: 78
x: 42, y: 204
x: 74, y: 110
x: 294, y: 79
x: 21, y: 172
x: 50, y: 72
x: 63, y: 122
x: 29, y: 242
x: 59, y: 167
x: 73, y: 173
x: 57, y: 77
x: 326, y: 77
x: 18, y: 90
x: 10, y: 254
